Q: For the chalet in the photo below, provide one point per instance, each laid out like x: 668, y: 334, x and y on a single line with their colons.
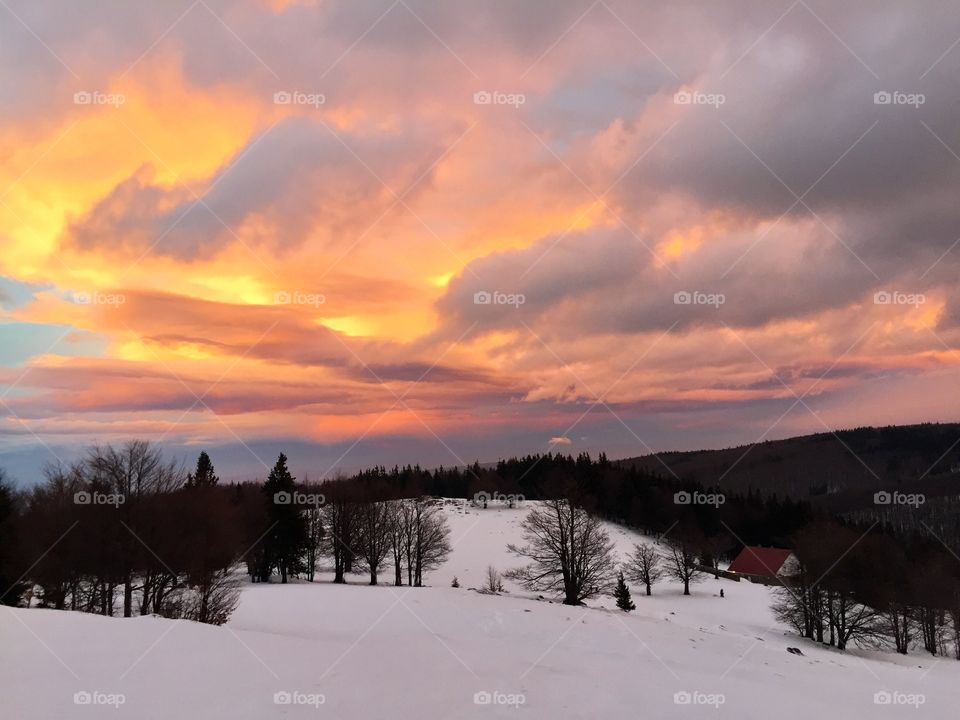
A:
x: 770, y: 566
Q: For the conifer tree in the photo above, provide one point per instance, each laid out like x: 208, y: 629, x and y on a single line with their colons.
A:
x: 286, y: 540
x: 622, y: 594
x: 204, y: 475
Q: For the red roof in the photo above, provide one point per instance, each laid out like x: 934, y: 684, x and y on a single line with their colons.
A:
x: 760, y: 561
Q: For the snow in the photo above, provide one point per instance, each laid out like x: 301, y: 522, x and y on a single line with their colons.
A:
x: 385, y: 652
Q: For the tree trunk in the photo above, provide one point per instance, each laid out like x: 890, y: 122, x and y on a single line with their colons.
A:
x: 128, y: 596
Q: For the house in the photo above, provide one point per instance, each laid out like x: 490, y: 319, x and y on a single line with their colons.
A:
x: 770, y: 566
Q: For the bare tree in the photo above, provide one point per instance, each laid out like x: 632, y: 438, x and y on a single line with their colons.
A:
x: 569, y: 552
x: 316, y: 534
x: 213, y: 600
x: 682, y: 556
x: 401, y: 520
x: 133, y: 472
x: 430, y: 540
x: 374, y: 535
x: 341, y: 514
x: 494, y: 581
x: 643, y: 566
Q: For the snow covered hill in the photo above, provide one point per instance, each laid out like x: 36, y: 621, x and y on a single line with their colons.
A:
x: 323, y: 651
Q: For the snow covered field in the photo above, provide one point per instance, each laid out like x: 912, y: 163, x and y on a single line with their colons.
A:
x: 324, y: 651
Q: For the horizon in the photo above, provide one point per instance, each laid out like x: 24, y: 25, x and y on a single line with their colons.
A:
x: 187, y: 457
x: 369, y: 234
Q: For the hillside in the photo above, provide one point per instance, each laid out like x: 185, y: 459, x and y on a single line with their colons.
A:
x: 384, y: 652
x: 847, y: 465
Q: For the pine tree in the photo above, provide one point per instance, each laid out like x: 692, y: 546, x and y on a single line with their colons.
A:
x: 204, y: 476
x: 286, y: 541
x: 622, y: 594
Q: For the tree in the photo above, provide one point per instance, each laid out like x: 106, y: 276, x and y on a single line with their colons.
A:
x: 494, y: 581
x: 340, y: 513
x: 401, y: 512
x: 826, y: 598
x: 213, y: 600
x: 11, y: 588
x: 374, y: 535
x: 622, y: 594
x: 315, y: 538
x: 643, y: 566
x: 568, y: 549
x: 286, y: 538
x: 429, y: 540
x: 681, y: 556
x: 133, y: 473
x: 204, y: 475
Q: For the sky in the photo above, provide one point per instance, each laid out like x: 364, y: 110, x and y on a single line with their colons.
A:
x: 399, y: 231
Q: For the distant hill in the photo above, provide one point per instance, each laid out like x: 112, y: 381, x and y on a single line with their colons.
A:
x: 841, y: 468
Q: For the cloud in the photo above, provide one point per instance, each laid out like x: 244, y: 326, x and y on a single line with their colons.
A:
x: 500, y: 268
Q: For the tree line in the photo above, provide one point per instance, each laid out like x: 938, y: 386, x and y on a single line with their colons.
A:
x: 125, y: 531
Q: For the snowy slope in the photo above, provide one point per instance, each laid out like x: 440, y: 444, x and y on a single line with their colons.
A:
x: 384, y: 652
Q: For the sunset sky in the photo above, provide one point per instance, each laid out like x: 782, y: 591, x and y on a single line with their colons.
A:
x: 251, y: 226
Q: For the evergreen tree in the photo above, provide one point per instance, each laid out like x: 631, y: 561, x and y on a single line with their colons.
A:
x: 204, y: 476
x: 622, y: 594
x: 286, y: 541
x: 10, y: 589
